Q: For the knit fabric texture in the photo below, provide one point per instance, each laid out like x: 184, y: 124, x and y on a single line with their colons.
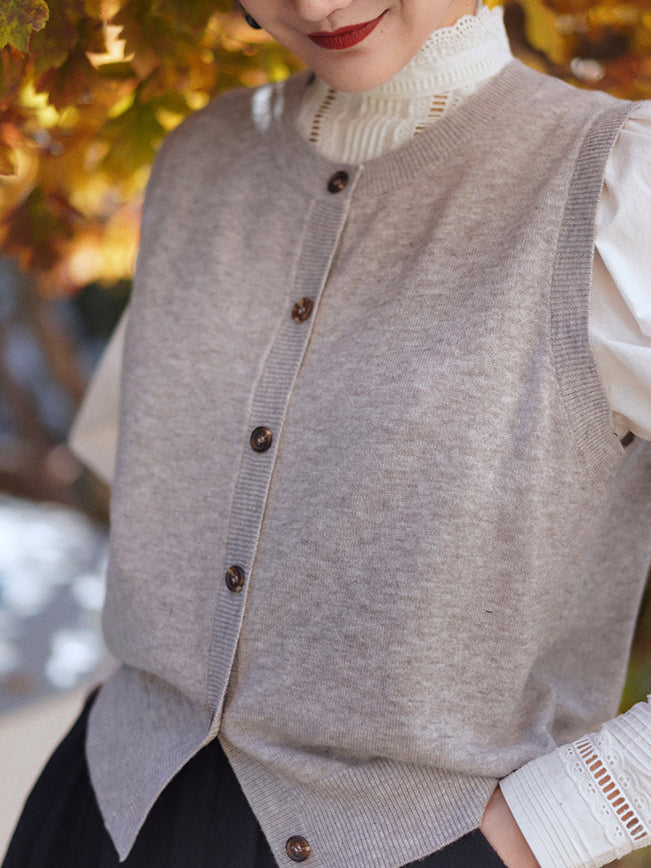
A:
x: 444, y: 545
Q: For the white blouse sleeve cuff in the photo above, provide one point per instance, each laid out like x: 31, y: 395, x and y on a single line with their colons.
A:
x: 588, y: 802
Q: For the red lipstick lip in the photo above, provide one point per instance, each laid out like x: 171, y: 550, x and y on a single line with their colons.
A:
x: 345, y: 37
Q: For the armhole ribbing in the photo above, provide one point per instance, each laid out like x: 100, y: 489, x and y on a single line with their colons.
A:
x: 580, y: 386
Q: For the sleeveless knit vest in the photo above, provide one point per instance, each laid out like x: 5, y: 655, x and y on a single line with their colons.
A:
x: 440, y: 543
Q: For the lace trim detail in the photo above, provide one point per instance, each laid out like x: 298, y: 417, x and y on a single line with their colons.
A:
x: 611, y: 789
x: 327, y: 103
x: 441, y: 103
x: 449, y: 67
x: 467, y: 33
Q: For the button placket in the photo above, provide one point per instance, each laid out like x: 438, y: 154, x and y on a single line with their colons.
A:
x: 271, y: 396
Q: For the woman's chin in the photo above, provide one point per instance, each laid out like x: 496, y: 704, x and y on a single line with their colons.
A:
x: 351, y: 77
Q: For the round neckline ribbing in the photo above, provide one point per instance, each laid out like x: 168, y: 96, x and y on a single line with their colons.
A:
x: 300, y: 160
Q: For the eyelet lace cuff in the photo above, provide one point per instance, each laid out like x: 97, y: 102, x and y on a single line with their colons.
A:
x: 588, y: 802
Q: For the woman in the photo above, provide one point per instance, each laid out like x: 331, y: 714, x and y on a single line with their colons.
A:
x: 380, y: 514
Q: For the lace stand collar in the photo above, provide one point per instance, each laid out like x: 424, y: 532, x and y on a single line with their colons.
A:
x: 450, y: 66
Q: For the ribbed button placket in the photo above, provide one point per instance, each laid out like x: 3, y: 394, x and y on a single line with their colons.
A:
x: 272, y: 393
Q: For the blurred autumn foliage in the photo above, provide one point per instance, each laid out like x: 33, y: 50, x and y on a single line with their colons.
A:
x: 86, y: 97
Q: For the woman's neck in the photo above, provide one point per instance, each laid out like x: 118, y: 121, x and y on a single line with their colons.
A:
x: 451, y: 65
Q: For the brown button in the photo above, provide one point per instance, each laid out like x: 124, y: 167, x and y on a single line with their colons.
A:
x: 302, y: 309
x: 297, y: 848
x: 338, y: 182
x: 234, y: 579
x: 261, y: 439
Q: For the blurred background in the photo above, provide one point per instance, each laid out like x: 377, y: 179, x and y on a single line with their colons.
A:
x: 88, y: 89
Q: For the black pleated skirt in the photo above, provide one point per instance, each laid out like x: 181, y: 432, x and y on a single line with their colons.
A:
x: 201, y: 820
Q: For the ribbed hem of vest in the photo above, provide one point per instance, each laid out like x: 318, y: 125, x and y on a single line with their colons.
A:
x: 377, y: 813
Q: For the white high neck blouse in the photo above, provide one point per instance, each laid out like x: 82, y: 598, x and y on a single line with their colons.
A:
x: 453, y: 63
